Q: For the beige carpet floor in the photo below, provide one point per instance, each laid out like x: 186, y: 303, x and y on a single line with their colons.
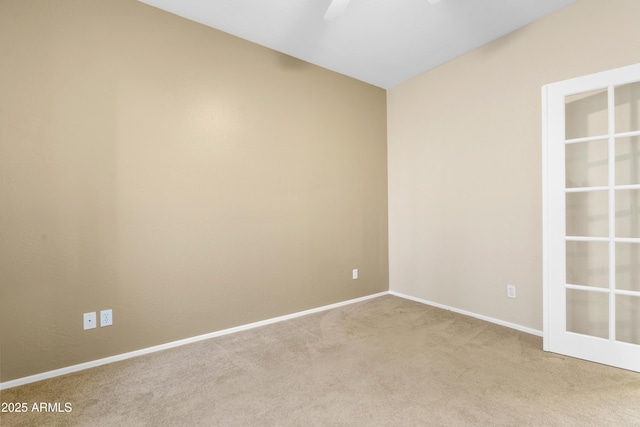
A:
x: 381, y: 362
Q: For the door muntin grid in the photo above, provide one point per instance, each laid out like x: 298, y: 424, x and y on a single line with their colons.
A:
x: 602, y: 213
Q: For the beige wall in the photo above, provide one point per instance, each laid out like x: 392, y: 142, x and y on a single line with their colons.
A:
x: 184, y: 178
x: 465, y: 169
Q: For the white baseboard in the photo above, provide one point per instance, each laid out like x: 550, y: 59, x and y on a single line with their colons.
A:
x: 136, y: 353
x: 467, y: 313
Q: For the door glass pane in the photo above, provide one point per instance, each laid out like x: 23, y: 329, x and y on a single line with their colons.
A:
x: 627, y: 107
x: 628, y: 319
x: 588, y: 313
x: 587, y: 214
x: 586, y: 114
x: 627, y: 210
x: 586, y: 164
x: 628, y: 266
x: 588, y: 263
x: 628, y: 160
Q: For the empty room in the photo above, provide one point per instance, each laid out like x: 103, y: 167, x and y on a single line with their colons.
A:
x: 319, y: 212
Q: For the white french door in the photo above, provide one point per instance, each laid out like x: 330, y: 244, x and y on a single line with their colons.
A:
x: 592, y: 217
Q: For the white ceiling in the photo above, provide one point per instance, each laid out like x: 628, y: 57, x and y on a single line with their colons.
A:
x: 381, y: 42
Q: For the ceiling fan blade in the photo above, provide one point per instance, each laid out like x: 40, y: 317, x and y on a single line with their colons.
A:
x: 336, y: 8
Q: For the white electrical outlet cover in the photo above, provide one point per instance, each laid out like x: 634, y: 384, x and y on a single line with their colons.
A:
x: 89, y: 320
x: 354, y: 273
x: 106, y: 318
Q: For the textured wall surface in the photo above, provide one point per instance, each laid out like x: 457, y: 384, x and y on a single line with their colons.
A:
x: 186, y: 179
x: 465, y: 163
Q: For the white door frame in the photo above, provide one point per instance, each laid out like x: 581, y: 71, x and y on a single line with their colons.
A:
x: 556, y: 338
